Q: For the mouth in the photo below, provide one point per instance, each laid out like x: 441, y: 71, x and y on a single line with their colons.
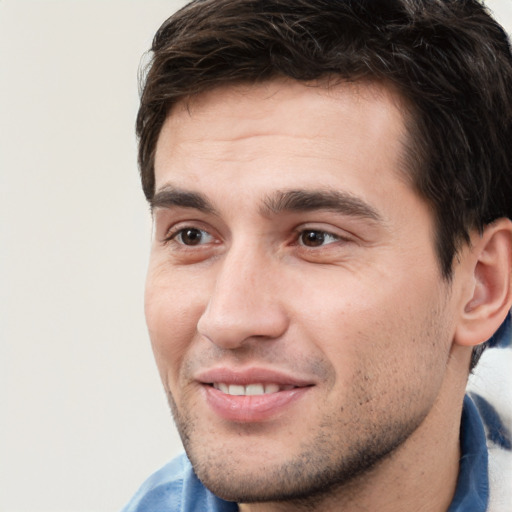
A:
x: 252, y: 395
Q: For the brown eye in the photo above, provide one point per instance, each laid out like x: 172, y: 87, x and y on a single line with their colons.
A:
x: 315, y: 238
x: 312, y: 238
x: 193, y: 236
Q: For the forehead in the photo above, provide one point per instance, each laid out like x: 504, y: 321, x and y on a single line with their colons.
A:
x: 254, y: 105
x: 282, y: 130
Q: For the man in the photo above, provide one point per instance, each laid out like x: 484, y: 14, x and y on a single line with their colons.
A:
x: 330, y: 183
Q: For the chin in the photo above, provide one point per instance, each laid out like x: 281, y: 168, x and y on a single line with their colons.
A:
x: 313, y: 472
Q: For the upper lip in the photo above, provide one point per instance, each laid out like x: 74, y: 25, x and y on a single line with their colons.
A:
x: 244, y: 377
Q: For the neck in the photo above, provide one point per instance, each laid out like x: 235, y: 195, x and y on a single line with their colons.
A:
x: 421, y: 474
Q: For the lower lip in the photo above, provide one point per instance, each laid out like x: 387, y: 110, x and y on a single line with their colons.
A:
x: 250, y: 409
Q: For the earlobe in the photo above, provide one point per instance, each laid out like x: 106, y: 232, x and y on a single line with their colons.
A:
x: 490, y: 295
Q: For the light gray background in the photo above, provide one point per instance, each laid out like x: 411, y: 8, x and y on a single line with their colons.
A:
x: 83, y: 419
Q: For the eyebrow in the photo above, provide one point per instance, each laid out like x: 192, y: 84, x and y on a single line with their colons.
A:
x: 329, y: 200
x: 275, y: 203
x: 169, y: 197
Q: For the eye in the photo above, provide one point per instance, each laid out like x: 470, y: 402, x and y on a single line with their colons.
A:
x: 316, y: 238
x: 192, y: 236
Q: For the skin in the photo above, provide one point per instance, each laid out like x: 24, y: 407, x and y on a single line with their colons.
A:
x: 350, y: 300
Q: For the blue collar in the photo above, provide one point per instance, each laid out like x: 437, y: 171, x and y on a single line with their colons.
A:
x: 472, y: 492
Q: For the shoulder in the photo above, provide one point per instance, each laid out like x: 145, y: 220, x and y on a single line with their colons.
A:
x: 175, y: 488
x: 162, y: 490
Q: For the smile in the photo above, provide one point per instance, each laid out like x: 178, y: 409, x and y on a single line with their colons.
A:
x: 251, y: 394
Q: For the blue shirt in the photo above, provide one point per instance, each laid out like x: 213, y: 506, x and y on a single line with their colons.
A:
x: 176, y: 488
x: 472, y: 491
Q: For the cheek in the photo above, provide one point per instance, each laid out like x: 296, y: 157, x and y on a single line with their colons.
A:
x: 172, y: 319
x: 403, y: 353
x: 387, y: 335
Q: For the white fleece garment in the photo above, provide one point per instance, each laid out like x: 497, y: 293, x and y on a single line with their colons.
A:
x: 492, y: 380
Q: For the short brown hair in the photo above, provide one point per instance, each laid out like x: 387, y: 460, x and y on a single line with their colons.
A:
x: 448, y: 58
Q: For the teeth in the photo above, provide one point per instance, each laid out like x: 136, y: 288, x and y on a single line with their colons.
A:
x: 222, y: 387
x: 249, y: 390
x: 236, y: 390
x: 254, y: 389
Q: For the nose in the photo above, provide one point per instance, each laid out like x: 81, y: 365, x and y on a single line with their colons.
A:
x: 244, y: 303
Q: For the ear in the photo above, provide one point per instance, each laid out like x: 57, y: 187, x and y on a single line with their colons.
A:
x: 488, y: 298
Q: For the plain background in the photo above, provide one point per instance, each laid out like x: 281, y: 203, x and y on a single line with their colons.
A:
x: 83, y: 418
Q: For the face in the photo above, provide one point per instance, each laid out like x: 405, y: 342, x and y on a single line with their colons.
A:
x: 294, y: 300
